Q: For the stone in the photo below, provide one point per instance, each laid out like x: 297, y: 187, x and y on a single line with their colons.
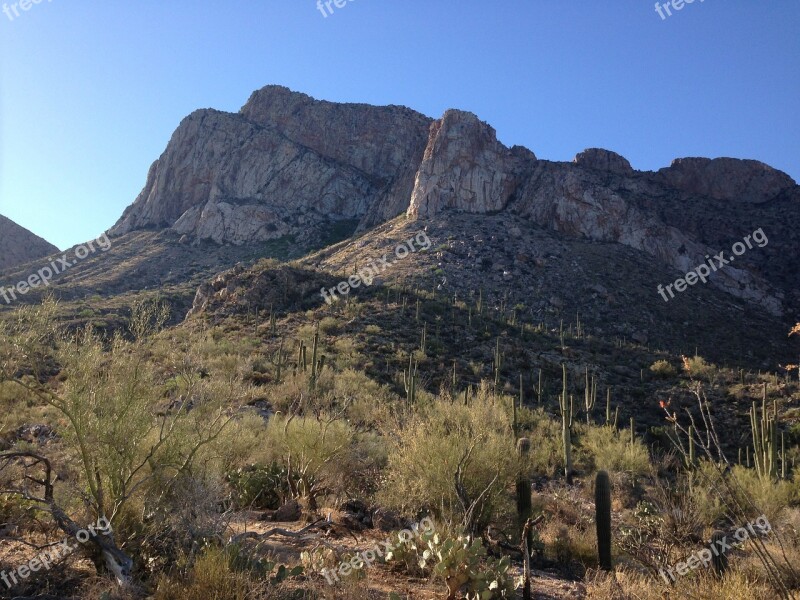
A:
x: 604, y: 160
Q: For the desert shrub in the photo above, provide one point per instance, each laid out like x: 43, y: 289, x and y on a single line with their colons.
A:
x: 611, y: 450
x: 225, y: 574
x: 442, y: 439
x: 697, y: 368
x: 627, y: 583
x: 705, y: 497
x: 260, y: 486
x: 770, y: 497
x: 326, y: 454
x: 329, y: 326
x: 546, y: 453
x: 663, y: 369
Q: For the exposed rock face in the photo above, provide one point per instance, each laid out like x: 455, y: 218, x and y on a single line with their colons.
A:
x: 464, y: 167
x: 287, y: 164
x: 284, y: 165
x: 18, y: 245
x: 726, y: 179
x: 604, y: 160
x: 560, y: 197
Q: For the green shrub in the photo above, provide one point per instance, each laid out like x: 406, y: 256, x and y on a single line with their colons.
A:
x: 437, y: 439
x: 611, y: 450
x: 260, y: 486
x: 663, y: 369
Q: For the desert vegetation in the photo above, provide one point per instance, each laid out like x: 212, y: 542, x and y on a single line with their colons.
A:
x: 251, y: 455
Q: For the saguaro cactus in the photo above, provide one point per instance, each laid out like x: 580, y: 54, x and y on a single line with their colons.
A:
x: 602, y: 510
x: 410, y: 378
x: 719, y: 561
x: 523, y: 485
x: 589, y: 395
x: 566, y: 406
x: 765, y: 438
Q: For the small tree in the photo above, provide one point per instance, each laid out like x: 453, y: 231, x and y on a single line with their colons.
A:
x: 108, y: 395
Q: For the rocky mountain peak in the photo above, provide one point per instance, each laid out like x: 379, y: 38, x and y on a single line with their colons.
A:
x: 293, y: 167
x: 18, y: 245
x: 464, y: 167
x: 603, y: 160
x: 727, y: 179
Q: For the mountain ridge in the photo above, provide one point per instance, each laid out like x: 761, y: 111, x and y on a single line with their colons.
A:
x: 18, y: 245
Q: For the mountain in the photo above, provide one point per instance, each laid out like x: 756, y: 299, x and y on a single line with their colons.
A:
x: 287, y: 165
x: 19, y: 246
x: 289, y: 176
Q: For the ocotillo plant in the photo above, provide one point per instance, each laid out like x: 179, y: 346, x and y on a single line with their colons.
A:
x: 524, y: 505
x: 602, y: 511
x: 566, y: 405
x: 765, y: 438
x: 719, y: 561
x: 690, y: 458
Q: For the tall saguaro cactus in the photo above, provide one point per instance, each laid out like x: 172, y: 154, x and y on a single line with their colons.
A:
x: 566, y: 406
x: 765, y: 438
x: 602, y: 510
x: 719, y: 561
x: 523, y: 488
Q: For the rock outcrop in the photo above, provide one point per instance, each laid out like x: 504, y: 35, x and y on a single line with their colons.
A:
x: 464, y: 167
x: 18, y: 245
x: 286, y: 164
x: 290, y: 165
x: 726, y: 179
x: 604, y: 160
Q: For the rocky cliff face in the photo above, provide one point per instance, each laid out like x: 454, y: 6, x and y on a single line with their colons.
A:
x: 287, y: 165
x: 284, y: 165
x: 18, y: 245
x: 599, y: 196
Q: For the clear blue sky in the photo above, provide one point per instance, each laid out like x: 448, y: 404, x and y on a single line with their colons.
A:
x: 90, y: 92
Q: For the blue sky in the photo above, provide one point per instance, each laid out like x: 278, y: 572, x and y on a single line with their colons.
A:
x: 90, y: 92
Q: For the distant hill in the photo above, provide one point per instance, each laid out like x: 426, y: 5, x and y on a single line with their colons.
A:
x: 18, y: 245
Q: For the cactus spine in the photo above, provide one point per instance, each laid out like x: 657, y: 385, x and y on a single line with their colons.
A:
x: 566, y: 405
x: 602, y: 509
